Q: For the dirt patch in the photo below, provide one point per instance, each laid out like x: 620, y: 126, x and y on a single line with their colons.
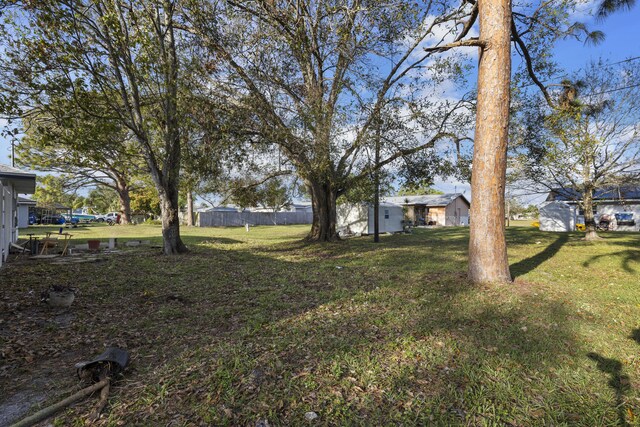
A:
x: 20, y: 402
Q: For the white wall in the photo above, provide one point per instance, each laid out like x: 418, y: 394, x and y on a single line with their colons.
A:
x: 557, y: 216
x: 352, y: 219
x: 611, y: 209
x: 393, y: 224
x: 8, y: 232
x: 457, y: 212
x: 358, y: 219
x: 23, y: 216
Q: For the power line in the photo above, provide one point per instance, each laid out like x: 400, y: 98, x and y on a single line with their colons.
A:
x: 615, y: 90
x: 598, y: 66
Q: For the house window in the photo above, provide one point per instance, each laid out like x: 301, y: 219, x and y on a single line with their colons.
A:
x: 386, y: 214
x: 581, y: 210
x: 625, y: 218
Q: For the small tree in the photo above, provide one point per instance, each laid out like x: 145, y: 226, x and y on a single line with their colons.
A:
x: 62, y: 138
x: 591, y: 140
x: 127, y: 53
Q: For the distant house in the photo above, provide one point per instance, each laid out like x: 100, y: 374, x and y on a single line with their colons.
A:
x: 434, y: 209
x: 300, y: 207
x: 359, y: 218
x: 12, y: 182
x: 620, y: 204
x: 220, y: 209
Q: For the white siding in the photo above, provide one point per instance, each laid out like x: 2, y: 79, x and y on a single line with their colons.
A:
x: 23, y: 216
x: 7, y: 232
x: 352, y: 219
x: 358, y: 219
x: 557, y: 216
x: 392, y: 224
x: 612, y: 209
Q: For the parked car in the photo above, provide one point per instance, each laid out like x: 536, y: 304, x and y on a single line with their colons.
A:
x: 111, y: 216
x: 71, y: 220
x: 54, y: 219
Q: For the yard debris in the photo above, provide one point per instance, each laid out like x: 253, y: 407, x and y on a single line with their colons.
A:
x: 100, y: 370
x: 310, y: 416
x: 59, y: 296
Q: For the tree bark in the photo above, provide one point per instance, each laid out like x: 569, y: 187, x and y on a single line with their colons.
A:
x: 125, y: 202
x: 169, y: 209
x: 323, y: 202
x: 589, y: 217
x: 189, y: 208
x: 487, y: 246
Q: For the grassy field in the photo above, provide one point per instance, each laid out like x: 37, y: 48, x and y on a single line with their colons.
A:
x: 259, y: 326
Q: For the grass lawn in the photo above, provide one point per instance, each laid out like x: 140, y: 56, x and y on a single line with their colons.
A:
x: 260, y: 326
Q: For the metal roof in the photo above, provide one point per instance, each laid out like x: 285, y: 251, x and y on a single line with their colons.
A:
x: 432, y: 200
x: 23, y: 182
x: 26, y: 201
x: 607, y: 193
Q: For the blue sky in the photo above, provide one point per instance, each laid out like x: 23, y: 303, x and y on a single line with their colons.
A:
x: 622, y: 31
x: 622, y: 41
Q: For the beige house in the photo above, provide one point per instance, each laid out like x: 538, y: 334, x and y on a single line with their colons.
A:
x: 434, y: 209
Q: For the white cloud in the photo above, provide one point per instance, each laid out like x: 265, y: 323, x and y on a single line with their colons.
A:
x: 584, y: 11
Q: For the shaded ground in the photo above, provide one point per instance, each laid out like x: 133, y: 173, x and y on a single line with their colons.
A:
x: 260, y: 326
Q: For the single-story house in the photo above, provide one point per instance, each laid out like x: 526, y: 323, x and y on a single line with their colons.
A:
x: 434, y: 209
x: 24, y: 205
x: 359, y: 218
x: 12, y: 182
x: 621, y: 204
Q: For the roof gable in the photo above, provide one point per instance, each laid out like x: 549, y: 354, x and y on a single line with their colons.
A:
x: 23, y: 182
x: 432, y: 200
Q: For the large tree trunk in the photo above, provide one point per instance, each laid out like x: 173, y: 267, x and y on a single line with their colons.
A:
x: 487, y: 246
x: 189, y: 208
x: 589, y: 217
x: 323, y: 202
x: 169, y: 209
x: 125, y: 202
x: 168, y: 184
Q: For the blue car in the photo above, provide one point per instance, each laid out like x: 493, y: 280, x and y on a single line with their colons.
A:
x: 73, y: 220
x: 52, y: 219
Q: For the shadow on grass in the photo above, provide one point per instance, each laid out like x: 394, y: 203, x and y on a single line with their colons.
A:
x: 618, y: 382
x: 529, y: 264
x: 627, y: 257
x: 233, y: 336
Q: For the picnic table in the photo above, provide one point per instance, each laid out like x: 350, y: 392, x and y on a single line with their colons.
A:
x: 52, y: 242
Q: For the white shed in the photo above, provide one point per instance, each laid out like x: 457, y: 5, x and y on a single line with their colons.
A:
x: 23, y: 211
x: 359, y: 218
x: 12, y: 182
x: 557, y: 216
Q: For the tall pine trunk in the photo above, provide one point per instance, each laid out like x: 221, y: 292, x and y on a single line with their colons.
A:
x: 323, y: 202
x: 487, y: 246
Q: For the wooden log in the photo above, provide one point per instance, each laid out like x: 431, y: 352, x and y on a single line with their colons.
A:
x: 104, y: 395
x: 50, y: 410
